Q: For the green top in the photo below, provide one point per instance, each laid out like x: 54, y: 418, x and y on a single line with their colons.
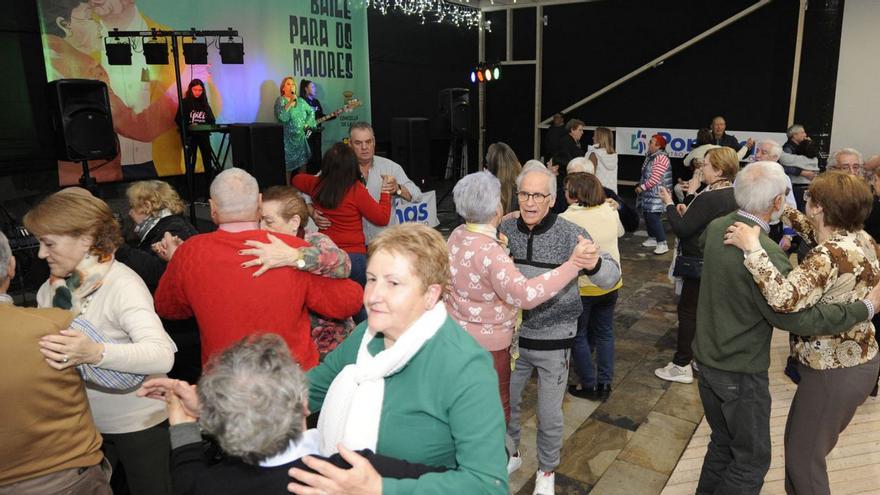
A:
x: 734, y: 322
x: 441, y: 409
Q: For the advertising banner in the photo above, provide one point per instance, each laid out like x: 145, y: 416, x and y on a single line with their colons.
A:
x: 424, y: 210
x: 323, y: 41
x: 679, y: 142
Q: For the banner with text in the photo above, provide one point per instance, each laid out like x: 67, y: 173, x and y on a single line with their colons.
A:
x: 423, y: 210
x: 679, y: 142
x: 324, y: 41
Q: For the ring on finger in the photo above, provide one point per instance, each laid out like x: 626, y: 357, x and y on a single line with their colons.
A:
x: 65, y: 359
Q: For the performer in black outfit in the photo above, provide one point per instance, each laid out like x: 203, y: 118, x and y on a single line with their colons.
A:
x: 197, y: 110
x: 309, y: 94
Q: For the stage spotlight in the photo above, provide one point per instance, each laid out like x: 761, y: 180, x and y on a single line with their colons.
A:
x: 496, y: 73
x: 118, y: 52
x: 195, y: 53
x: 473, y: 76
x: 156, y: 51
x: 232, y: 52
x: 480, y: 76
x: 488, y: 75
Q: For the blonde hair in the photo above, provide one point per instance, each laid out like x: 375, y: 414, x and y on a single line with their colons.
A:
x: 153, y: 196
x: 283, y: 81
x: 725, y: 160
x: 501, y: 161
x: 423, y: 246
x: 605, y: 139
x: 76, y: 214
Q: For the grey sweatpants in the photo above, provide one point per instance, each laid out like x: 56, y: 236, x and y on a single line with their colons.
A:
x: 552, y: 369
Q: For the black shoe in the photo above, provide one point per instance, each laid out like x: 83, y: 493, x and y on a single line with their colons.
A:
x: 874, y: 392
x: 603, y: 390
x: 583, y: 393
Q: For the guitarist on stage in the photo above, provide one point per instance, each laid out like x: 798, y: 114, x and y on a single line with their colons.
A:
x: 309, y: 94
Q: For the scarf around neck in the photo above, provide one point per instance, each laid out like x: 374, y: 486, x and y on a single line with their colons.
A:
x: 72, y: 291
x: 353, y: 405
x: 144, y: 228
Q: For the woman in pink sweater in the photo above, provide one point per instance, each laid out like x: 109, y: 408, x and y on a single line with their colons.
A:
x: 487, y: 289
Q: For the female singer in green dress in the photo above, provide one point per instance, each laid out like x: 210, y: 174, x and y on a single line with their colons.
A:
x: 295, y: 119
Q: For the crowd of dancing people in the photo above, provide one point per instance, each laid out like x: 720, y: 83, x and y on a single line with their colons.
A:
x: 363, y: 356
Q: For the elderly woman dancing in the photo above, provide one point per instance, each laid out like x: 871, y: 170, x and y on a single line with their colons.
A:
x: 837, y: 371
x: 487, y: 288
x: 78, y: 236
x: 387, y: 387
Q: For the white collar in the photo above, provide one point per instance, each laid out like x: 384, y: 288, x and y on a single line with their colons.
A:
x: 307, y: 445
x: 6, y: 298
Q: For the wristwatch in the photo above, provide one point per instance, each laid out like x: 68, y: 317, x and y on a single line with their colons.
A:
x: 300, y: 262
x: 397, y: 193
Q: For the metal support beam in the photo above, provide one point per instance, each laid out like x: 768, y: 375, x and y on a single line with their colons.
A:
x: 539, y: 68
x: 481, y: 96
x: 659, y: 60
x: 796, y: 69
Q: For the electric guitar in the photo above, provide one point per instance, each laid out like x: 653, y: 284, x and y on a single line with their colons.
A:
x: 351, y: 105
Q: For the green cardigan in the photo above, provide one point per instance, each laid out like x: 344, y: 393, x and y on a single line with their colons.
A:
x: 442, y: 409
x: 734, y: 322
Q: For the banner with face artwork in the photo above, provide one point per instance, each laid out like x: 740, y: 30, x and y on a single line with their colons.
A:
x: 324, y: 41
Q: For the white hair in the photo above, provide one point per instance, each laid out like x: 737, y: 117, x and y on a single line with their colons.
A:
x: 757, y: 186
x: 5, y: 255
x: 775, y: 148
x: 791, y: 131
x: 580, y: 164
x: 235, y: 193
x: 532, y: 168
x: 832, y: 160
x: 477, y: 196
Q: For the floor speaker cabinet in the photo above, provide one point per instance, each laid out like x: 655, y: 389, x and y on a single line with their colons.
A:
x: 81, y: 120
x: 454, y: 111
x: 259, y: 149
x: 411, y: 146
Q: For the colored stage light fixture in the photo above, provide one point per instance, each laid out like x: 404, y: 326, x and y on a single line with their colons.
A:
x: 496, y: 73
x: 488, y: 75
x: 480, y: 76
x: 156, y: 51
x: 118, y: 52
x: 473, y: 76
x: 232, y: 52
x: 195, y: 52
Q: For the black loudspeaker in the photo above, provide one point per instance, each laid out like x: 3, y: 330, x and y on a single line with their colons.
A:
x: 454, y: 111
x: 410, y: 146
x: 259, y: 149
x: 81, y: 119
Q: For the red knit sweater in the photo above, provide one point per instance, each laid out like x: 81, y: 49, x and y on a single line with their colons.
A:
x: 346, y: 228
x: 205, y: 279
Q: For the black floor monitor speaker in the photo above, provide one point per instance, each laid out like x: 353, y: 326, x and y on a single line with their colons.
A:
x: 259, y: 149
x: 81, y: 120
x: 410, y: 146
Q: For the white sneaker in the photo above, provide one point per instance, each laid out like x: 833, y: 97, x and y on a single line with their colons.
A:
x: 545, y: 483
x: 661, y: 248
x: 674, y: 373
x: 514, y: 463
x: 651, y: 242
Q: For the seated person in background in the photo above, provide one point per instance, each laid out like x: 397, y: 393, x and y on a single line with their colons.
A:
x: 205, y: 279
x: 283, y: 212
x: 50, y: 443
x: 259, y: 444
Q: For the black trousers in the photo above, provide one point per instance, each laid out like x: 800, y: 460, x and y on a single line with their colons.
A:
x: 687, y: 321
x: 145, y: 460
x: 737, y: 407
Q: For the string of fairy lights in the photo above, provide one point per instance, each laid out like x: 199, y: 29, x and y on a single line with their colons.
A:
x: 439, y: 11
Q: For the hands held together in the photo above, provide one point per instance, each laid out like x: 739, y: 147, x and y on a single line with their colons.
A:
x: 586, y: 254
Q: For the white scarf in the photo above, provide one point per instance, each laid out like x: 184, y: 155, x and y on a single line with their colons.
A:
x: 353, y: 404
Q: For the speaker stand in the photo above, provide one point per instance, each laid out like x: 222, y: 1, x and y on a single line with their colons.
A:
x: 457, y: 146
x: 87, y: 181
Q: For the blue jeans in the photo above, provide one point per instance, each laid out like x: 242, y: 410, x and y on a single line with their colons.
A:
x: 654, y: 226
x: 595, y: 333
x: 359, y: 275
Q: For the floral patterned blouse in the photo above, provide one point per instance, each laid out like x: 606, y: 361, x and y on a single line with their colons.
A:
x: 326, y: 259
x: 842, y: 269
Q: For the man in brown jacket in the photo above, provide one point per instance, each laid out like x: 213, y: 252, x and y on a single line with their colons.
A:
x: 49, y: 442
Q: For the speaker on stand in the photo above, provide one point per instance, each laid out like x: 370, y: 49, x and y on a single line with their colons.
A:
x: 410, y: 146
x: 82, y: 123
x: 454, y: 112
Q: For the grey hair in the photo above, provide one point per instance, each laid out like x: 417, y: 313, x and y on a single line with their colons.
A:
x: 794, y: 129
x: 361, y: 125
x: 757, y: 185
x: 5, y: 255
x: 235, y: 192
x: 832, y: 160
x: 531, y: 168
x: 254, y: 398
x: 477, y: 196
x: 580, y: 164
x: 533, y: 164
x: 775, y: 148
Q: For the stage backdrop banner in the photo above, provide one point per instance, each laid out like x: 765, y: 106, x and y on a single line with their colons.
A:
x: 424, y: 210
x: 679, y: 142
x: 324, y: 41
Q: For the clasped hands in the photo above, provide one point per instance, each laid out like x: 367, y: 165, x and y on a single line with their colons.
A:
x: 166, y: 248
x: 585, y: 254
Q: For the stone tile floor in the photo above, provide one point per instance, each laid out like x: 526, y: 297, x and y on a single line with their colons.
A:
x: 631, y: 443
